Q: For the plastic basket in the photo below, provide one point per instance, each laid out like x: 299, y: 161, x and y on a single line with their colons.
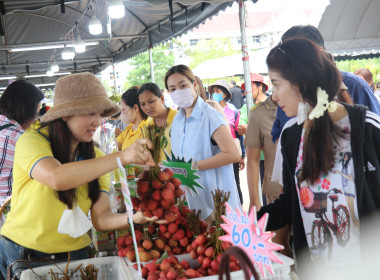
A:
x: 280, y: 271
x: 110, y: 268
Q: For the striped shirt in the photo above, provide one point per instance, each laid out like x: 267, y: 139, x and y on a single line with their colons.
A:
x: 8, y: 138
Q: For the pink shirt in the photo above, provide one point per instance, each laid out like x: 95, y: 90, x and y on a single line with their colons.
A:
x: 8, y: 138
x: 229, y: 112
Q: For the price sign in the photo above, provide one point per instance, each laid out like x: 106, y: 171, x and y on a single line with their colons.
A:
x: 246, y: 232
x: 183, y: 171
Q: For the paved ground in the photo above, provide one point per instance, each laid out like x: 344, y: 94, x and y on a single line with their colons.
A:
x: 244, y: 189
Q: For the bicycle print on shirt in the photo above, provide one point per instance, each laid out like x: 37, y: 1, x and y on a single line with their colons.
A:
x: 328, y: 208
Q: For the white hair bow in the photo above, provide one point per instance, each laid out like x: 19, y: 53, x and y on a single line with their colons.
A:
x: 323, y: 104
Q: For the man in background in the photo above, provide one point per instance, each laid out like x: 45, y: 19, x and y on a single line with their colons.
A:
x: 237, y: 97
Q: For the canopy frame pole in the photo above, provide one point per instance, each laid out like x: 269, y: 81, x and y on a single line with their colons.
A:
x: 150, y: 59
x: 114, y: 77
x: 245, y: 56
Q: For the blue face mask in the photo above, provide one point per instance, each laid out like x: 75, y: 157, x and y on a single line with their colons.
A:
x: 217, y: 96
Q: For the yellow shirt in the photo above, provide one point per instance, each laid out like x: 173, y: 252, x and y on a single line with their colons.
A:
x: 128, y: 136
x: 169, y: 121
x: 36, y: 211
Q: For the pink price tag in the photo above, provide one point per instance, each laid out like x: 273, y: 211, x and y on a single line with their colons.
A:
x: 246, y: 232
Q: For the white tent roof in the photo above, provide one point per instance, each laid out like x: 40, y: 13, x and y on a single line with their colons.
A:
x: 146, y: 23
x: 232, y: 65
x: 351, y: 27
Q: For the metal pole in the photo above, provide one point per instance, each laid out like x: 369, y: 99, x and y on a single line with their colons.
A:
x: 244, y: 51
x: 151, y: 64
x: 150, y: 58
x: 114, y: 78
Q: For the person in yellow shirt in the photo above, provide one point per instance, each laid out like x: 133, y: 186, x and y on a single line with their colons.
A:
x: 57, y: 168
x: 131, y: 114
x: 152, y: 103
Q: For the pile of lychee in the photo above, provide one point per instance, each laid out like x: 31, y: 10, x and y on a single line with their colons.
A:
x: 156, y: 196
x: 203, y: 249
x: 158, y: 199
x: 169, y: 269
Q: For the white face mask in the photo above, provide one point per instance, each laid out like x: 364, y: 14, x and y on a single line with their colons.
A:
x: 303, y: 111
x: 74, y: 222
x: 127, y: 118
x: 183, y: 98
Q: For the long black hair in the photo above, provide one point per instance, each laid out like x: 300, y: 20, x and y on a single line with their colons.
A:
x: 20, y: 101
x: 131, y: 98
x: 59, y: 136
x: 304, y: 65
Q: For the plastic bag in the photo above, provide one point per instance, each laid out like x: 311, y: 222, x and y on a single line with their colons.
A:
x: 74, y: 223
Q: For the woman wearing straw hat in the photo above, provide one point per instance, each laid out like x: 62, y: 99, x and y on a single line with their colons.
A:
x: 57, y: 168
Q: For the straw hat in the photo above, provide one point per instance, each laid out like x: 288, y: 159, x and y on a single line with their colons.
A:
x: 80, y: 94
x: 221, y: 84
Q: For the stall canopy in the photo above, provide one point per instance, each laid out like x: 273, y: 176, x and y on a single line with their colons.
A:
x: 351, y: 28
x: 232, y: 65
x: 51, y: 23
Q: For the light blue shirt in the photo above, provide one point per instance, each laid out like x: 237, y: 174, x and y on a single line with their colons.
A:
x: 191, y: 139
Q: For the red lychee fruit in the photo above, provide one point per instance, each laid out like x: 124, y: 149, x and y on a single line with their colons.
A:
x: 172, y: 228
x: 169, y: 171
x: 156, y: 184
x: 163, y: 176
x: 179, y: 192
x: 167, y: 194
x: 176, y: 182
x: 158, y: 212
x: 169, y: 186
x: 156, y: 195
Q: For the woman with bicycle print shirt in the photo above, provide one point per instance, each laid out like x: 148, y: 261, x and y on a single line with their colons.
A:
x: 305, y: 85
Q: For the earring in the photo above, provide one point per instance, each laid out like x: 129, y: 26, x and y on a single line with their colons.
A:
x: 303, y: 111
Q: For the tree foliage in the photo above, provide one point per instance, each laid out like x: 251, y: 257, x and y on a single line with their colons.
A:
x: 112, y: 94
x: 373, y: 64
x: 209, y: 49
x: 163, y: 59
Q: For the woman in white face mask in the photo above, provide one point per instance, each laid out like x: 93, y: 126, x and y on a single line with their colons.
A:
x: 133, y: 116
x: 201, y: 134
x: 152, y: 103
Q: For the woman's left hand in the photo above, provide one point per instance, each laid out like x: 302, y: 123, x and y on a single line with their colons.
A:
x: 139, y: 218
x: 242, y: 164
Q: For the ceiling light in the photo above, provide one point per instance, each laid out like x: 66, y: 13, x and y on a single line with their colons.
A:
x: 109, y: 28
x: 95, y: 26
x: 50, y: 73
x: 116, y: 9
x: 80, y: 46
x: 44, y: 85
x: 8, y: 78
x: 67, y: 54
x: 46, y: 47
x: 54, y: 67
x: 45, y: 75
x: 35, y: 48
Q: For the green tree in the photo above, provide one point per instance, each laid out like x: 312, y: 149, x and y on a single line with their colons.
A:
x: 163, y: 59
x: 373, y: 64
x: 112, y: 94
x: 209, y: 49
